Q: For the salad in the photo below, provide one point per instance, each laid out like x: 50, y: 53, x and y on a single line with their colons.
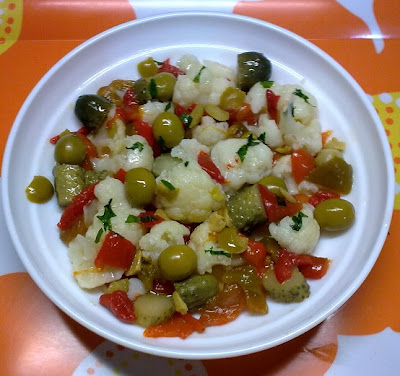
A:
x: 197, y: 192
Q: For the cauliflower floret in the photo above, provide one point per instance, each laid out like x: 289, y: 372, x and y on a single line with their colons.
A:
x: 256, y: 97
x: 200, y: 242
x: 102, y: 140
x: 213, y: 79
x: 302, y: 241
x: 162, y: 236
x: 283, y: 169
x: 273, y: 137
x: 83, y: 249
x: 82, y: 252
x: 195, y: 195
x: 136, y: 288
x: 209, y: 132
x: 257, y: 162
x: 151, y: 110
x: 188, y: 149
x: 130, y: 152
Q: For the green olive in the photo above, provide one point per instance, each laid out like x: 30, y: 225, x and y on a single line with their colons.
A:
x: 92, y: 110
x: 147, y: 68
x: 169, y: 127
x: 70, y: 149
x: 141, y: 87
x: 230, y: 240
x: 140, y: 186
x: 177, y: 262
x: 165, y: 83
x: 325, y: 155
x: 40, y: 190
x: 334, y: 214
x: 273, y: 183
x: 232, y: 98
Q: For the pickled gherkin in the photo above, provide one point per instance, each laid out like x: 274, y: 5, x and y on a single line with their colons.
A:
x: 253, y: 67
x: 69, y: 180
x: 92, y: 110
x: 246, y: 209
x: 92, y: 176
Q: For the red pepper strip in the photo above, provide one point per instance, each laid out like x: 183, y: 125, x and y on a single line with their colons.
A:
x: 145, y: 130
x: 91, y: 150
x: 83, y: 130
x: 149, y: 219
x: 119, y: 304
x: 167, y: 67
x: 318, y: 197
x: 178, y: 326
x: 311, y: 267
x: 120, y: 175
x: 272, y: 105
x: 161, y: 286
x: 302, y: 164
x: 130, y: 106
x: 255, y: 255
x: 119, y: 114
x: 276, y: 212
x: 208, y: 166
x: 241, y: 115
x: 116, y: 252
x: 73, y: 211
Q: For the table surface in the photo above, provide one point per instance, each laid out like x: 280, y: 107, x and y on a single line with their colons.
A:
x: 362, y: 337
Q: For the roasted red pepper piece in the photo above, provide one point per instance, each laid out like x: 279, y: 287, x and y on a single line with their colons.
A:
x: 255, y: 255
x: 276, y: 212
x: 302, y: 164
x: 318, y: 197
x: 120, y: 175
x: 73, y: 211
x: 149, y: 219
x: 272, y: 105
x: 116, y: 252
x: 242, y: 114
x: 167, y: 67
x: 208, y: 166
x: 119, y: 304
x: 162, y: 286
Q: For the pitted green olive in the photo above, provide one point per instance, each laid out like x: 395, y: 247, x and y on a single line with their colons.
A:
x: 140, y: 186
x: 230, y: 240
x: 273, y: 183
x: 177, y: 262
x: 165, y: 83
x: 148, y: 67
x: 334, y: 214
x: 169, y: 128
x: 70, y: 149
x: 92, y: 110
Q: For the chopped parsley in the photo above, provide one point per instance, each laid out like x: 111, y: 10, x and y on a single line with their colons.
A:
x: 261, y: 137
x: 168, y: 184
x: 168, y: 106
x: 243, y: 149
x: 136, y: 145
x: 298, y: 221
x: 300, y: 94
x: 98, y: 236
x: 186, y: 119
x: 293, y: 108
x: 132, y: 219
x: 266, y: 84
x: 148, y: 218
x: 186, y: 163
x: 217, y: 253
x: 153, y: 88
x: 158, y: 62
x: 161, y: 142
x: 197, y: 77
x: 106, y: 217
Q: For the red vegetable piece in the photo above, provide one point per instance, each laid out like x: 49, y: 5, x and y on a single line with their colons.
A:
x: 302, y: 164
x: 120, y: 175
x: 91, y: 150
x: 242, y: 114
x: 149, y: 219
x: 130, y: 106
x: 255, y: 255
x: 318, y: 197
x: 276, y: 212
x: 208, y: 166
x: 73, y: 211
x: 272, y: 105
x: 162, y: 286
x: 284, y: 266
x: 116, y: 252
x: 119, y: 304
x: 145, y: 130
x: 167, y: 67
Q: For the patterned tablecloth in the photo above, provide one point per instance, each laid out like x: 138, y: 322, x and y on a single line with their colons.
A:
x: 36, y: 338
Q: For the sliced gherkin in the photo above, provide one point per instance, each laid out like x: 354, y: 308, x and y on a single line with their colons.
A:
x: 69, y: 180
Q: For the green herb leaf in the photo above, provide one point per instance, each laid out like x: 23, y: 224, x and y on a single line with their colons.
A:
x: 186, y: 119
x: 147, y: 218
x: 158, y: 62
x: 136, y: 145
x: 106, y: 217
x: 132, y: 219
x: 261, y: 137
x: 161, y: 141
x: 293, y: 108
x: 168, y: 106
x: 168, y: 184
x: 217, y: 253
x: 300, y: 94
x: 153, y: 88
x: 98, y: 236
x: 298, y: 221
x: 266, y: 84
x: 243, y: 149
x: 186, y: 163
x: 197, y: 77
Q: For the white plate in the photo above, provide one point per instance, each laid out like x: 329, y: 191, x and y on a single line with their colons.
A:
x: 344, y: 107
